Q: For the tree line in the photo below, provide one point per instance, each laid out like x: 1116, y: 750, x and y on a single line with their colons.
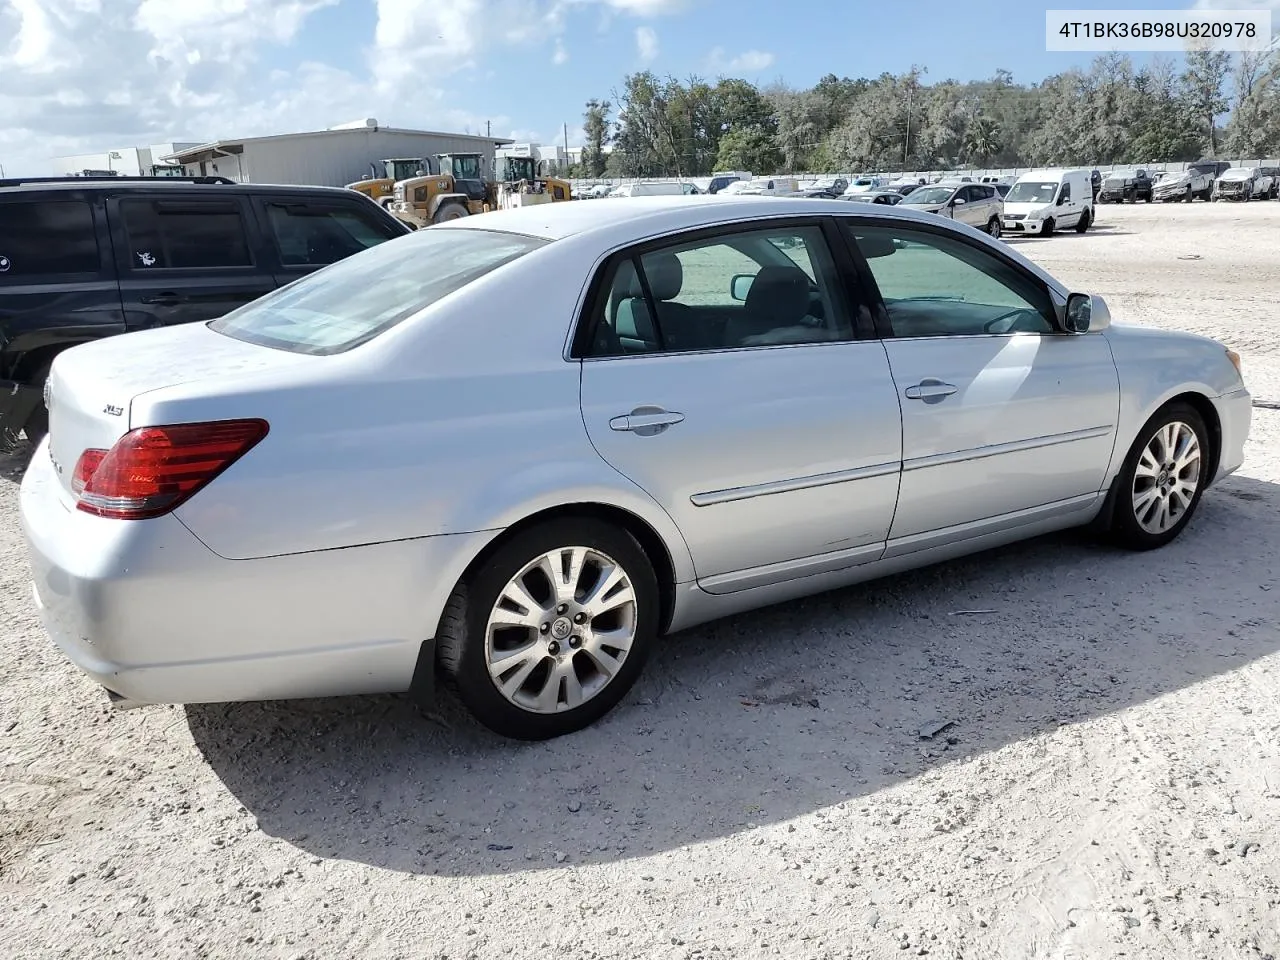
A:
x: 1109, y: 113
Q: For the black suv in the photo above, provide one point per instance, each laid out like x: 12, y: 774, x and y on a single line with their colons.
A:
x: 83, y: 258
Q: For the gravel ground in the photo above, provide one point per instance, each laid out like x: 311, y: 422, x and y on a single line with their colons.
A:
x: 1055, y: 750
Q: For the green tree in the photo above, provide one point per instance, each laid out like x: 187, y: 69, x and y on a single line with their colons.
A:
x: 596, y: 127
x: 1202, y: 82
x: 749, y: 148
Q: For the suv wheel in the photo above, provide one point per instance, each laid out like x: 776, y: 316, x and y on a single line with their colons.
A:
x: 993, y: 228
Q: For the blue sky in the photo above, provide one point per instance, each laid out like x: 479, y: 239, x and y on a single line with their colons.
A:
x: 82, y: 76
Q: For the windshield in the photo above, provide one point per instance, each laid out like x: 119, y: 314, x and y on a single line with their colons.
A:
x: 403, y: 169
x: 465, y: 168
x: 519, y: 168
x: 337, y: 308
x: 1031, y: 193
x: 927, y: 196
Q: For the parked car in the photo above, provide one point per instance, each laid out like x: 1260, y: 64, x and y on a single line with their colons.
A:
x: 864, y: 184
x: 725, y: 177
x: 1195, y: 182
x: 832, y: 185
x: 1126, y: 186
x: 83, y: 258
x: 330, y: 492
x: 1002, y: 188
x: 883, y: 197
x: 650, y: 188
x: 1245, y: 183
x: 976, y: 204
x: 906, y: 189
x: 1043, y: 201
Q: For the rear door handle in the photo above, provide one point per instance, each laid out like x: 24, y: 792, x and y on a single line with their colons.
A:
x: 165, y: 300
x: 930, y: 390
x: 646, y: 421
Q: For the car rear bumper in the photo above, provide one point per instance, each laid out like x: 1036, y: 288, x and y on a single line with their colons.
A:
x: 154, y: 616
x: 17, y: 402
x: 1235, y: 414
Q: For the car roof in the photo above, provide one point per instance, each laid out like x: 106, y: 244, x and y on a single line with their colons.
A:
x: 119, y: 185
x: 638, y: 218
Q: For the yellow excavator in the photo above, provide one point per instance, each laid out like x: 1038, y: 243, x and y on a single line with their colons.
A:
x: 379, y: 184
x: 456, y: 186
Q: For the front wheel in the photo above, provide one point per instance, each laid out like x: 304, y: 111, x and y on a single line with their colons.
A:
x: 993, y: 228
x: 1048, y: 228
x: 1162, y: 479
x: 449, y: 211
x: 552, y: 630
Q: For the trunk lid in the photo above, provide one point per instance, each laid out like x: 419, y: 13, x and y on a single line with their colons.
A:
x: 91, y: 387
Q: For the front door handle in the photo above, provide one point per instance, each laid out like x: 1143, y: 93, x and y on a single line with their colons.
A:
x: 930, y: 390
x: 165, y: 300
x: 645, y: 421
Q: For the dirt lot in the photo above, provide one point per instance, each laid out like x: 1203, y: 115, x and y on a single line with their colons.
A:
x: 1109, y: 784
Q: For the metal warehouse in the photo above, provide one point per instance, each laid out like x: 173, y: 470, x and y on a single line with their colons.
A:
x: 333, y: 157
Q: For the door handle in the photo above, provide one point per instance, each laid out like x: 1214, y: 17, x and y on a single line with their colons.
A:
x: 165, y: 300
x: 930, y: 390
x: 645, y: 421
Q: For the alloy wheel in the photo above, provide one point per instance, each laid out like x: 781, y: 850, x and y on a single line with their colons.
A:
x: 561, y: 630
x: 1166, y: 477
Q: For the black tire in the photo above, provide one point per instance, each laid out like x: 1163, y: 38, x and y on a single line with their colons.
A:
x: 1148, y: 198
x: 1189, y: 197
x: 1048, y: 228
x: 993, y: 228
x: 1083, y: 223
x: 461, y: 639
x: 451, y: 210
x: 1126, y: 531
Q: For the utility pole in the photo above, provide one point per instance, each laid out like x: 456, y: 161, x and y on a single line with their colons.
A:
x: 906, y: 146
x: 488, y: 128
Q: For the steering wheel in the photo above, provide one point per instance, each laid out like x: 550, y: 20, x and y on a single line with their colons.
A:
x: 990, y: 325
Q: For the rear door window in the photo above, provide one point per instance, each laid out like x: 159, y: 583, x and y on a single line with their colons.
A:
x: 40, y: 238
x: 307, y: 235
x: 185, y: 234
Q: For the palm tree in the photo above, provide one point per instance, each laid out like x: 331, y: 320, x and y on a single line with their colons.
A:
x: 980, y: 141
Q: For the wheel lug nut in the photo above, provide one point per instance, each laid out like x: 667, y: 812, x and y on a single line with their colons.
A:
x: 544, y: 628
x: 575, y: 642
x: 561, y: 609
x: 578, y: 618
x: 553, y: 647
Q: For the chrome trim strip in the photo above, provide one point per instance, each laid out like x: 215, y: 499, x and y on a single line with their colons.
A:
x: 792, y: 569
x: 977, y: 528
x: 731, y: 494
x: 998, y: 449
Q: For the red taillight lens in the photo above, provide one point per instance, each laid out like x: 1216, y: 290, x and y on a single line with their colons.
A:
x: 86, y: 466
x: 151, y: 470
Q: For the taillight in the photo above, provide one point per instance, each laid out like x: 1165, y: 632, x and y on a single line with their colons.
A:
x: 151, y: 470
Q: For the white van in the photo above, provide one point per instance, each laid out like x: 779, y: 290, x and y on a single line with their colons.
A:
x: 649, y: 188
x: 764, y: 186
x: 1042, y: 201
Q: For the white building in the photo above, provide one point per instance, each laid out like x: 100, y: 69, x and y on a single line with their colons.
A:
x: 123, y: 161
x: 556, y: 158
x: 333, y: 157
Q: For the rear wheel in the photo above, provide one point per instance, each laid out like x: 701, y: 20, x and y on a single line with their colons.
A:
x: 552, y: 630
x: 449, y: 211
x: 1162, y: 479
x: 1083, y: 223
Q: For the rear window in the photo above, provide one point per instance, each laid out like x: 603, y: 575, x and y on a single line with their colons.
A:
x: 185, y: 234
x: 354, y: 300
x: 39, y: 238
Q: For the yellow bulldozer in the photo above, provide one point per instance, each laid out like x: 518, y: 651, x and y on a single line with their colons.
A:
x: 379, y: 184
x: 456, y: 186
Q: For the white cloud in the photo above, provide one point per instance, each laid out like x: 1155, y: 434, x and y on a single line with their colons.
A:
x: 647, y: 44
x: 88, y: 75
x: 750, y: 61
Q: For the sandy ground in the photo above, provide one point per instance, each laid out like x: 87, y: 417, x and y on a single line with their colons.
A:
x: 1108, y: 784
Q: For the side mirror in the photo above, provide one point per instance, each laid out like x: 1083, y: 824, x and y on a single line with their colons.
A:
x: 957, y: 201
x: 1085, y: 313
x: 740, y: 286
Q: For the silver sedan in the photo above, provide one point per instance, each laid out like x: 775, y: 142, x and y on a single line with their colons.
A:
x: 514, y: 449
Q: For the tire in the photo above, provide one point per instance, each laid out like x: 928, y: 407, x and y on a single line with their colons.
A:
x: 1189, y: 197
x: 463, y: 648
x: 1083, y: 223
x: 452, y: 210
x: 1048, y: 228
x: 1127, y: 529
x: 1148, y: 198
x: 37, y: 426
x: 993, y: 228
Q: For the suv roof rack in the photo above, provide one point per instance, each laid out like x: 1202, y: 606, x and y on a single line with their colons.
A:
x: 19, y: 181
